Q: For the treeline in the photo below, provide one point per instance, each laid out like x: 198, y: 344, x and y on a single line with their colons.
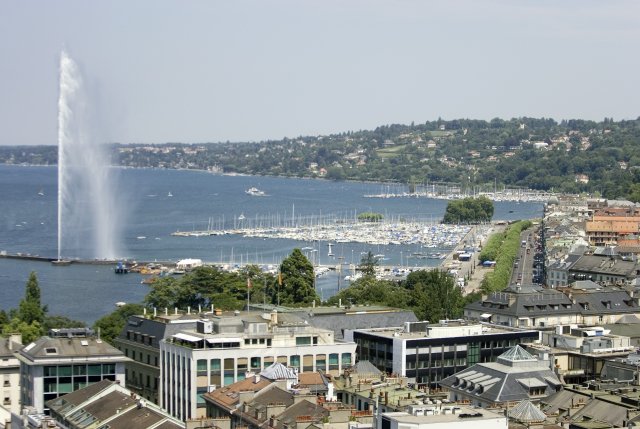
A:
x: 569, y: 156
x: 469, y: 211
x: 501, y: 248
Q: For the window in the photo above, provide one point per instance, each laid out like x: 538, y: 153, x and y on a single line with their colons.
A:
x: 346, y: 359
x: 201, y: 366
x: 255, y: 363
x: 294, y: 361
x: 333, y: 361
x: 303, y: 341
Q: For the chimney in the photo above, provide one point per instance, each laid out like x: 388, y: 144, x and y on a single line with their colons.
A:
x: 274, y: 317
x: 256, y: 378
x: 386, y: 397
x: 14, y: 338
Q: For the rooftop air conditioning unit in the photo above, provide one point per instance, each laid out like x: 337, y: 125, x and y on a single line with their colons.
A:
x: 204, y: 327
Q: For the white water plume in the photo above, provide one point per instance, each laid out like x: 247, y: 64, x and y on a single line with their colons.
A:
x: 89, y: 224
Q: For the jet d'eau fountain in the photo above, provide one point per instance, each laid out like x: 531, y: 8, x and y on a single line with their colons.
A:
x: 89, y: 219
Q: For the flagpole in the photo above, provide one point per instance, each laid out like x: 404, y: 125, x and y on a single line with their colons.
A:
x: 248, y: 293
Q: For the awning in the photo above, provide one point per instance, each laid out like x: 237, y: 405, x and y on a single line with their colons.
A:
x: 187, y: 337
x: 486, y: 315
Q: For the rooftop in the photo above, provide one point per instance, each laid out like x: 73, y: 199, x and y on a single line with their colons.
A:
x: 444, y: 329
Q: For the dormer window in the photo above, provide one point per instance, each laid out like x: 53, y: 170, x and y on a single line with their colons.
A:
x: 51, y: 351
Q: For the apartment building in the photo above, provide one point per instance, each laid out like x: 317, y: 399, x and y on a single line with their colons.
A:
x: 223, y: 349
x: 64, y: 361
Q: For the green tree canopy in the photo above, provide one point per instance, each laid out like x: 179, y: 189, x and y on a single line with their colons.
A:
x: 434, y: 295
x: 469, y: 210
x: 30, y: 309
x: 112, y: 324
x: 368, y: 264
x: 298, y: 279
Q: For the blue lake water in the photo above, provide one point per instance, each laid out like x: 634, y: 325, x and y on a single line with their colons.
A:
x: 159, y: 202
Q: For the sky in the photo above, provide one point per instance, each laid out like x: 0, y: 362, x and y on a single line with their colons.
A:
x: 188, y: 71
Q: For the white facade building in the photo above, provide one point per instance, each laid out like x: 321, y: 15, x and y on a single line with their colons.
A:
x: 10, y: 377
x: 441, y: 417
x: 223, y: 349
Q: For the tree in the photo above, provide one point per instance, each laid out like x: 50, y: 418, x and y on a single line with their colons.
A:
x: 30, y: 309
x: 297, y: 281
x: 368, y: 264
x: 112, y: 324
x: 58, y: 322
x: 435, y: 295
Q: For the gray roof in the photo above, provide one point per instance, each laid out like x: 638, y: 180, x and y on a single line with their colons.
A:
x: 303, y: 408
x: 159, y: 328
x: 525, y: 411
x: 366, y: 368
x: 603, y: 411
x: 552, y: 302
x: 356, y: 319
x: 68, y: 348
x: 272, y: 394
x: 612, y: 266
x: 500, y: 382
x: 106, y: 401
x: 277, y: 371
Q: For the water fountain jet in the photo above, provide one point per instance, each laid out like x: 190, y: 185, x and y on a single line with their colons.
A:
x: 88, y: 214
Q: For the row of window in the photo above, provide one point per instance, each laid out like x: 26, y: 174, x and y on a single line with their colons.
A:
x: 140, y: 356
x: 142, y: 338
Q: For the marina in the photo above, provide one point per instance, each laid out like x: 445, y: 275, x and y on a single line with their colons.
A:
x: 302, y: 213
x: 374, y: 233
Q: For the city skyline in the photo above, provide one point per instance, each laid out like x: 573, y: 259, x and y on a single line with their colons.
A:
x: 196, y: 72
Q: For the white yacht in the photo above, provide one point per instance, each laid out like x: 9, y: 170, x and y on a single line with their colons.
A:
x: 253, y: 191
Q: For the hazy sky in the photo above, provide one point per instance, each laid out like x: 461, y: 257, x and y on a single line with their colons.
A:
x: 208, y: 71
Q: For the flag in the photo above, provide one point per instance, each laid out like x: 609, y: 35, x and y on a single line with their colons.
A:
x: 248, y: 282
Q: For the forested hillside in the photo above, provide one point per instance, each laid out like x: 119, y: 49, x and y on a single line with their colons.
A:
x: 569, y: 156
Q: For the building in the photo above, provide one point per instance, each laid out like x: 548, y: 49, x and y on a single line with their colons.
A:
x: 426, y: 353
x: 106, y: 404
x: 515, y: 376
x: 223, y: 349
x: 10, y: 377
x: 63, y: 362
x: 534, y: 306
x: 441, y: 416
x: 140, y: 338
x: 140, y: 342
x: 342, y: 317
x: 604, y: 269
x: 579, y: 354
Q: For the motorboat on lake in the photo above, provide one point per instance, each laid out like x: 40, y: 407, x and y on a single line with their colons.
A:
x: 255, y: 192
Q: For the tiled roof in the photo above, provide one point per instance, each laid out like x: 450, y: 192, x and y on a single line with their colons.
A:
x: 229, y: 396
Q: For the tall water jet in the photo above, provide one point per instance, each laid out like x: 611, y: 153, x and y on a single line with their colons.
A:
x: 88, y: 215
